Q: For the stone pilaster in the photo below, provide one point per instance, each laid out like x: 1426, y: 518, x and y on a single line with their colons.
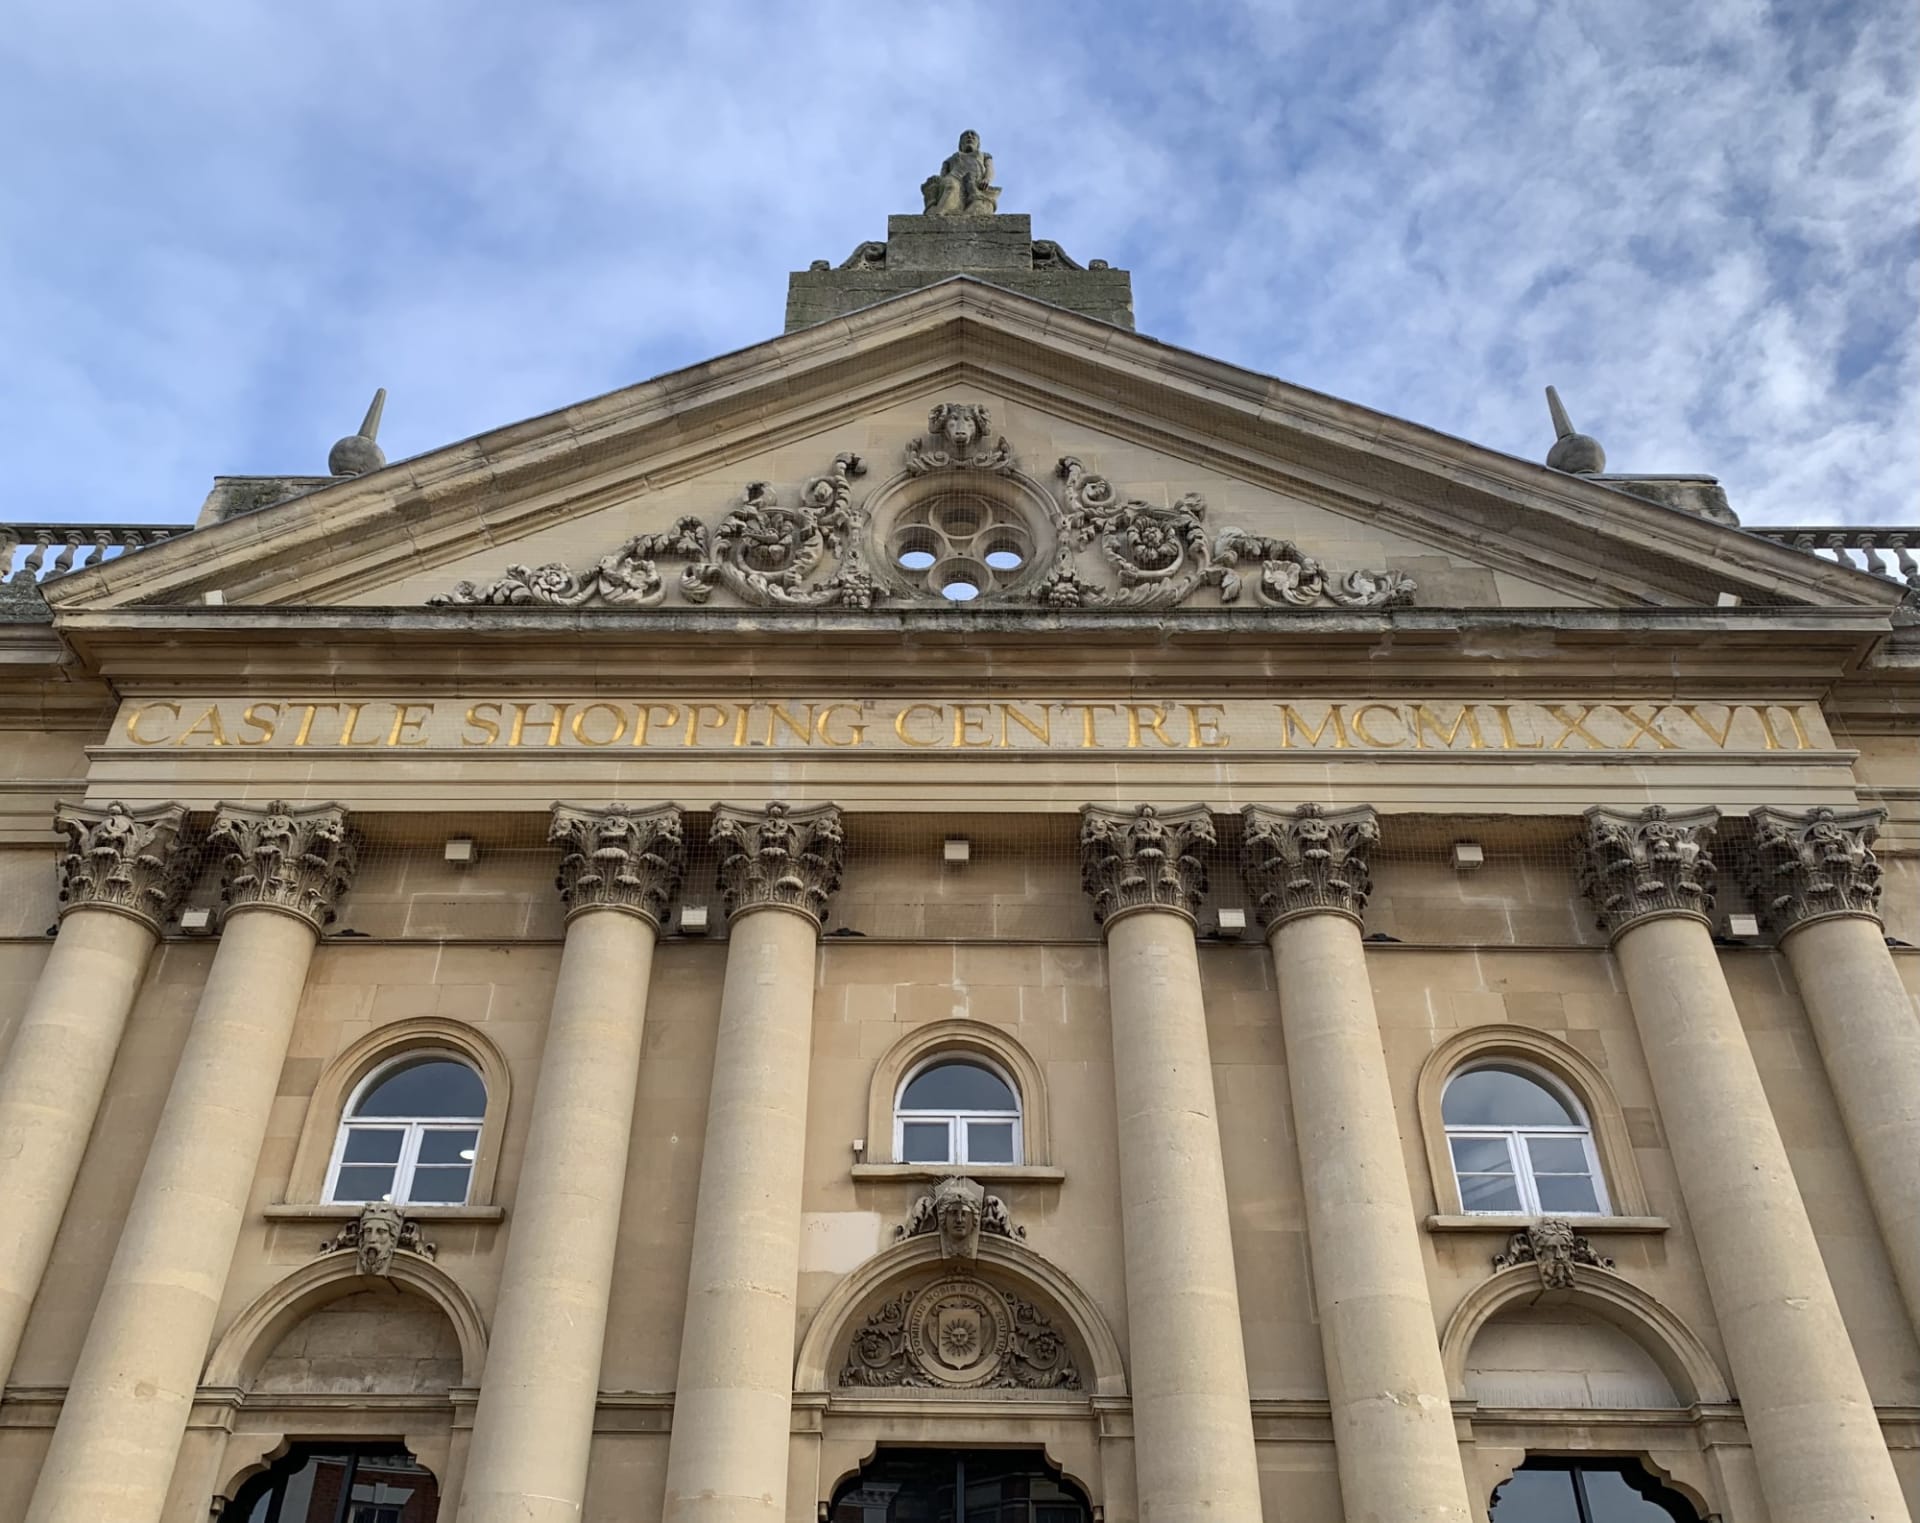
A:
x: 1307, y: 872
x: 779, y: 857
x: 1815, y: 884
x: 1145, y: 872
x: 1816, y: 1440
x: 126, y: 1410
x: 533, y: 1429
x: 732, y: 1406
x: 121, y: 876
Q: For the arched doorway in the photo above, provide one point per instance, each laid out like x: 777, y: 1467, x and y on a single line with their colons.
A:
x: 1590, y: 1489
x: 990, y: 1485
x: 340, y: 1483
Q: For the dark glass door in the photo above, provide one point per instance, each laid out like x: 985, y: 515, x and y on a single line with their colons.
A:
x: 959, y: 1486
x: 340, y: 1483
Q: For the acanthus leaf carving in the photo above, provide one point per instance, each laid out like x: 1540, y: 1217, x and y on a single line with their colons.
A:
x: 956, y: 440
x: 619, y: 858
x: 379, y: 1232
x: 1144, y: 859
x: 1312, y: 860
x: 297, y: 861
x: 960, y: 1333
x: 779, y: 855
x: 1554, y: 1248
x: 1811, y: 864
x: 1637, y: 865
x: 1289, y: 577
x: 959, y: 1210
x: 130, y: 860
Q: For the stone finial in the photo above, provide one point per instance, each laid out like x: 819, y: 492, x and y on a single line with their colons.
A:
x: 1141, y: 859
x: 357, y: 454
x: 1813, y: 864
x: 129, y: 860
x: 779, y: 856
x: 1308, y: 861
x: 959, y: 1210
x: 1575, y: 453
x: 379, y: 1232
x: 1554, y: 1248
x: 619, y: 858
x: 296, y: 861
x: 1647, y: 863
x: 964, y: 186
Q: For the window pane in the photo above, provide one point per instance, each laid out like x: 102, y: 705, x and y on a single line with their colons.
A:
x: 448, y: 1146
x: 363, y: 1182
x: 438, y: 1185
x: 1536, y: 1496
x: 925, y: 1142
x: 1481, y: 1155
x: 1566, y: 1192
x: 372, y: 1144
x: 1489, y: 1192
x: 1612, y: 1498
x: 1557, y: 1155
x: 958, y: 1087
x: 1502, y: 1097
x: 426, y: 1087
x: 990, y: 1142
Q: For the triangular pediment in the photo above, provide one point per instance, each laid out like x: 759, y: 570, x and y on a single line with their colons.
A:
x: 1113, y: 473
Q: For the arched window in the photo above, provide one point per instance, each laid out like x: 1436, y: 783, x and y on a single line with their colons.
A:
x: 410, y: 1134
x: 1587, y: 1491
x: 1520, y: 1144
x: 958, y: 1111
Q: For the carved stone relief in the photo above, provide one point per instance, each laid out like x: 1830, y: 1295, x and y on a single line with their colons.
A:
x: 1813, y: 863
x: 1639, y: 864
x: 130, y: 860
x: 779, y: 855
x: 1554, y: 1248
x: 298, y: 861
x: 619, y: 858
x: 1100, y: 550
x: 960, y: 1334
x: 379, y: 1232
x: 1144, y: 859
x: 1311, y: 860
x: 959, y: 1210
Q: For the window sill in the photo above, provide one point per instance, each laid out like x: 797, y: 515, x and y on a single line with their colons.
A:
x: 319, y: 1212
x: 1511, y: 1224
x: 980, y: 1173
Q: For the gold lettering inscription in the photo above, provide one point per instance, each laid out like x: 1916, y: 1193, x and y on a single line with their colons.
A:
x: 1203, y: 726
x: 134, y: 717
x: 208, y: 724
x: 901, y: 720
x: 1425, y: 722
x: 1291, y: 724
x: 580, y: 727
x: 488, y: 724
x: 1367, y: 737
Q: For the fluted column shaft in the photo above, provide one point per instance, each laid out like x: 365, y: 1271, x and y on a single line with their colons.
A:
x: 126, y: 1410
x: 732, y: 1404
x: 1816, y: 1441
x: 120, y: 879
x: 533, y: 1429
x: 1193, y: 1422
x: 1816, y: 885
x: 1393, y: 1433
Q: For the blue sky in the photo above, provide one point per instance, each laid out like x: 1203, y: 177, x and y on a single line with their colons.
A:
x: 224, y: 224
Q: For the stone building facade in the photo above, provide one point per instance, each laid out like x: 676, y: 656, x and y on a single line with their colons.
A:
x: 961, y: 902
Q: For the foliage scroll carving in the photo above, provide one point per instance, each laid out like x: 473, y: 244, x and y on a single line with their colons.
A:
x: 960, y: 1334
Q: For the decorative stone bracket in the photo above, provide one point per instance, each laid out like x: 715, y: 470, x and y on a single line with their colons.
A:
x: 960, y: 1334
x: 959, y: 1210
x: 376, y: 1235
x: 1554, y: 1248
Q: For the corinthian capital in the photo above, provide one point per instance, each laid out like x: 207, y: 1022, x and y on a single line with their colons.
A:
x: 1140, y: 859
x: 1813, y: 864
x: 619, y: 858
x: 129, y: 860
x: 1307, y: 861
x: 296, y: 861
x: 779, y: 856
x: 1646, y: 863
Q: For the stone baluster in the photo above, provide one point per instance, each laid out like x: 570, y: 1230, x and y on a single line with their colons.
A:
x: 727, y: 1458
x: 126, y: 1410
x: 1815, y: 884
x: 1193, y: 1422
x: 1393, y: 1434
x: 1816, y: 1441
x: 533, y: 1429
x: 120, y: 878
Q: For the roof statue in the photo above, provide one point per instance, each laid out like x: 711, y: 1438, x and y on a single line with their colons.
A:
x: 1577, y: 454
x: 357, y: 454
x: 964, y: 187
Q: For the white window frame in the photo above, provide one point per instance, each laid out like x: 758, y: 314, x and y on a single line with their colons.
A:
x: 1515, y: 1138
x: 413, y: 1128
x: 957, y: 1120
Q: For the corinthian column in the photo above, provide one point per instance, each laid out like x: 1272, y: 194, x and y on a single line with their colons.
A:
x: 1193, y: 1423
x: 120, y: 879
x: 1815, y: 884
x: 534, y: 1425
x: 727, y: 1460
x: 1393, y: 1432
x: 1816, y: 1441
x: 126, y: 1410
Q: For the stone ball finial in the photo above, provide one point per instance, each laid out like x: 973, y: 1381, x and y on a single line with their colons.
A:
x: 357, y: 454
x: 1577, y: 454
